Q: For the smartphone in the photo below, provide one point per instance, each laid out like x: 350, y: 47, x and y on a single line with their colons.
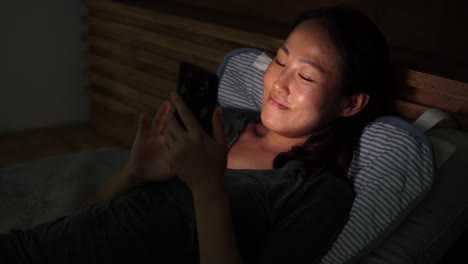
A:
x: 199, y: 89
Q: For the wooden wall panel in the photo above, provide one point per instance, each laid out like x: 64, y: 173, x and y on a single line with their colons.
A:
x: 123, y: 93
x: 416, y: 29
x: 133, y: 56
x: 134, y: 52
x: 170, y: 43
x: 154, y: 16
x: 443, y: 93
x: 137, y: 79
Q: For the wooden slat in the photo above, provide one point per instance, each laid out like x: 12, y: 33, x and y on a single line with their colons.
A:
x: 435, y: 91
x: 412, y: 111
x: 435, y: 99
x: 124, y: 93
x: 142, y: 51
x: 137, y: 79
x: 133, y: 56
x: 437, y: 84
x: 409, y: 110
x: 111, y: 103
x: 167, y: 30
x: 121, y: 31
x: 210, y: 29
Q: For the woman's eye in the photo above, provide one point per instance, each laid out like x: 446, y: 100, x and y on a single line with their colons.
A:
x: 306, y: 79
x: 279, y: 63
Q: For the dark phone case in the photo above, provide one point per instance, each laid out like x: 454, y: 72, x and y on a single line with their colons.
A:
x: 199, y: 89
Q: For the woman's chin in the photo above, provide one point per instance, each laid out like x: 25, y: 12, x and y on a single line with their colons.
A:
x: 273, y: 121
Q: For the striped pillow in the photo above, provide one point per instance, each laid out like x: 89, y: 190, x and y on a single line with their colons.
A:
x: 392, y: 171
x: 241, y: 79
x: 392, y: 168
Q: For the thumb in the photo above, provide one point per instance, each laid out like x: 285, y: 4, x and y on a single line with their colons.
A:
x: 218, y: 126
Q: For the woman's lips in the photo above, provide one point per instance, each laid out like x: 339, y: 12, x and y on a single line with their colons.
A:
x: 276, y: 103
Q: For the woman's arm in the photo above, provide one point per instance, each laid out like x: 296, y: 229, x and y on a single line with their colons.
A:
x: 200, y: 160
x: 216, y: 239
x: 116, y: 185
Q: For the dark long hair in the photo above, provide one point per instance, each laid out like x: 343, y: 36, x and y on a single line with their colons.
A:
x: 365, y: 68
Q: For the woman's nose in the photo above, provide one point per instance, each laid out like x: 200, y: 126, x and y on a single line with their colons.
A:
x: 283, y: 82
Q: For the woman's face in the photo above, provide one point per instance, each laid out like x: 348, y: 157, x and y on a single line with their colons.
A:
x: 301, y: 86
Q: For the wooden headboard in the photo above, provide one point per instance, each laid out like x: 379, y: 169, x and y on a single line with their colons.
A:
x: 134, y: 51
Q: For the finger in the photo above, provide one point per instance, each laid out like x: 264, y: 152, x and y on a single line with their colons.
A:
x: 185, y: 114
x: 160, y: 118
x: 144, y: 125
x: 218, y: 126
x: 169, y: 139
x: 175, y: 128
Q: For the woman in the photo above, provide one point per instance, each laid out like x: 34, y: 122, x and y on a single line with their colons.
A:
x: 266, y: 187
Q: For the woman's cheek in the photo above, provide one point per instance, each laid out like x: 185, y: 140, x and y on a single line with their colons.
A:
x: 267, y: 86
x: 268, y: 82
x: 304, y: 96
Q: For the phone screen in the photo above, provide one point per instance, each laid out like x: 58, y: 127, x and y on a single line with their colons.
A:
x: 199, y: 89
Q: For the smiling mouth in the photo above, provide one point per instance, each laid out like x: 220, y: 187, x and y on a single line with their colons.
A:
x: 277, y: 104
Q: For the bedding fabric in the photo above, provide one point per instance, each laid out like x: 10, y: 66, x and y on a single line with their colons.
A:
x: 38, y: 191
x: 272, y: 215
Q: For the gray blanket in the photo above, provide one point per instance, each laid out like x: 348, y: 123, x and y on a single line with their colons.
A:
x: 35, y: 192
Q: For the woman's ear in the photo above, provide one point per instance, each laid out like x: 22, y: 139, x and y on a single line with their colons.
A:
x: 354, y: 104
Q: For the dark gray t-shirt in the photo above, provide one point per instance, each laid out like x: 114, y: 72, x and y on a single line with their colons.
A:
x: 284, y: 215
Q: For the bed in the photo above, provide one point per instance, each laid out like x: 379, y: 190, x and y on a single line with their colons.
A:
x: 133, y: 54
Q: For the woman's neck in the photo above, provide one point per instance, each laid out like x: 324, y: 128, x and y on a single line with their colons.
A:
x: 274, y: 142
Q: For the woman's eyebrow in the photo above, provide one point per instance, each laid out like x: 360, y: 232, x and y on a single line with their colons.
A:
x: 306, y: 61
x: 313, y: 64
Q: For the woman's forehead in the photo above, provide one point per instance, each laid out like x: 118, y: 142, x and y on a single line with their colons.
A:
x: 310, y: 40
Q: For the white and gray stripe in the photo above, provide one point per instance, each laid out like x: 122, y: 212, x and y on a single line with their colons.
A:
x: 392, y: 170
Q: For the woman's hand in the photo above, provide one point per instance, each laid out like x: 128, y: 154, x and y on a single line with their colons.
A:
x: 197, y: 158
x: 149, y: 156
